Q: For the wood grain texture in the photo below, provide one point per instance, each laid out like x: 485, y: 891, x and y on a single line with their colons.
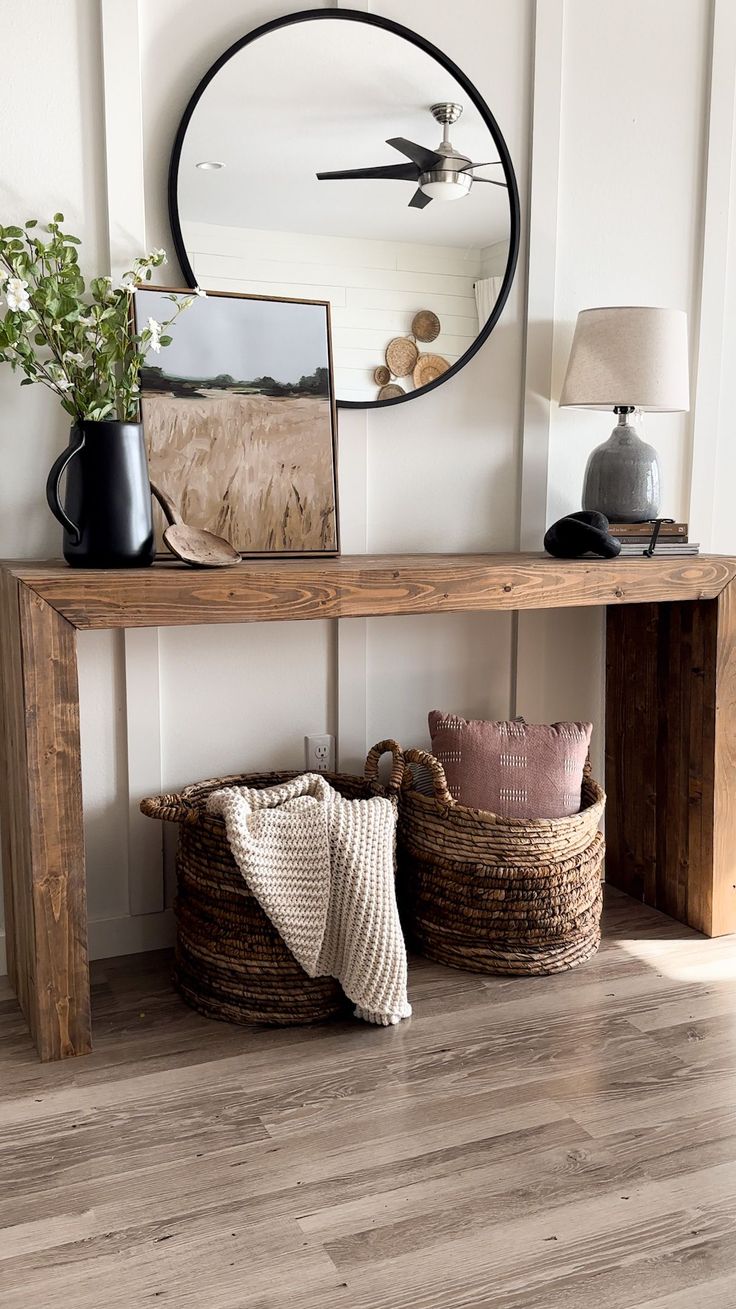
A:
x: 360, y: 586
x: 724, y: 777
x: 631, y: 749
x: 42, y: 824
x: 671, y: 758
x: 537, y: 1143
x: 15, y: 825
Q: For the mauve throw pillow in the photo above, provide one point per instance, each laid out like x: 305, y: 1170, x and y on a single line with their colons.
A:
x: 517, y: 770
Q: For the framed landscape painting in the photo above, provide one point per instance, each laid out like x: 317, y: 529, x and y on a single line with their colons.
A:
x: 239, y: 420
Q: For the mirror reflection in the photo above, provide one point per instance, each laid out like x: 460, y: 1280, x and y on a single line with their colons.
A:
x: 338, y: 161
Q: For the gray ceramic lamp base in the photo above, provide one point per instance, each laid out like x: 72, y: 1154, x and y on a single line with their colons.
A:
x: 622, y: 477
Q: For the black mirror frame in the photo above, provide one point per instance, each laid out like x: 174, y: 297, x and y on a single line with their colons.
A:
x: 375, y: 20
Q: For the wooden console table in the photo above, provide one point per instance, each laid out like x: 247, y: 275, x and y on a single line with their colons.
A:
x: 670, y: 720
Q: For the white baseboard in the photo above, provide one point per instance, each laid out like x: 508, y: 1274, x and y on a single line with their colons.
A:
x: 126, y: 935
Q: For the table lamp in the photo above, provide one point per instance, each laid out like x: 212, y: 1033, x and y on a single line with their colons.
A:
x: 627, y: 358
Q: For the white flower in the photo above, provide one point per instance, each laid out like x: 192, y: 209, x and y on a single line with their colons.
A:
x: 160, y: 254
x: 17, y: 294
x: 155, y: 328
x: 60, y: 378
x: 74, y: 358
x: 126, y: 284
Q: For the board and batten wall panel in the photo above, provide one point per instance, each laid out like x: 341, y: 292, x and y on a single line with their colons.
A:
x: 228, y: 705
x: 630, y: 194
x: 51, y: 92
x: 724, y: 521
x: 714, y: 450
x: 455, y: 662
x: 374, y: 288
x: 443, y: 471
x: 631, y: 198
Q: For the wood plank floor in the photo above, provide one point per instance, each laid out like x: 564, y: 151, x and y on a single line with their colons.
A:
x: 519, y: 1144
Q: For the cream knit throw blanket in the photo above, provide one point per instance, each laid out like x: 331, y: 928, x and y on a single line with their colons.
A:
x: 322, y: 868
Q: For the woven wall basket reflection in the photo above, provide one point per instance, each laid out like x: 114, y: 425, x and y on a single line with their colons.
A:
x: 427, y: 368
x: 498, y: 895
x: 426, y: 325
x: 231, y: 962
x: 401, y: 356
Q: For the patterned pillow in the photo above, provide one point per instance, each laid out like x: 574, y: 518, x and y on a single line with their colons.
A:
x: 517, y: 770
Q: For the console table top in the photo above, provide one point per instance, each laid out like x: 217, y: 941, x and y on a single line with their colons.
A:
x: 361, y: 586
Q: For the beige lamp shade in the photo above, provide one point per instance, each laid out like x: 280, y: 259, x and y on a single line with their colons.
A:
x: 629, y: 356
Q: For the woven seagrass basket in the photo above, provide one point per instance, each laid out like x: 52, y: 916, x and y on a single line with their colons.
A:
x: 231, y: 962
x: 498, y: 895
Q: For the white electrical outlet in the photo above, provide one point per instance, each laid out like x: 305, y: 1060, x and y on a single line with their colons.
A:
x: 319, y: 754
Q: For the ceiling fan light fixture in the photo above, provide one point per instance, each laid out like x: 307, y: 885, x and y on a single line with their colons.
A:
x: 441, y: 186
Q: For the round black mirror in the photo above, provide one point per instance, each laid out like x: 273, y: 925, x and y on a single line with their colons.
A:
x: 316, y: 160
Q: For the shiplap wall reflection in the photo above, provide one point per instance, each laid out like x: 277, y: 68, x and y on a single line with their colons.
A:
x: 374, y: 288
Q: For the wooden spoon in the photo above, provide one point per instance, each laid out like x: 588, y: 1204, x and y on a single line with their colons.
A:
x: 193, y: 545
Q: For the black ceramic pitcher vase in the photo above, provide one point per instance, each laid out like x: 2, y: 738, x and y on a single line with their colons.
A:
x: 106, y: 514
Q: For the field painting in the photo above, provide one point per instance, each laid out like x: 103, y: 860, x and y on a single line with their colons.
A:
x: 238, y: 418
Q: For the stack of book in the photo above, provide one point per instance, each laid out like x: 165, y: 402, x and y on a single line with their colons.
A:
x: 673, y: 539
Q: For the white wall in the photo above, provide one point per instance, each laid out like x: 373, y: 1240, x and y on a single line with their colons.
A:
x: 714, y: 449
x: 723, y: 482
x: 493, y: 259
x: 53, y: 156
x: 634, y: 117
x: 374, y: 289
x: 52, y: 159
x: 442, y: 473
x: 630, y: 194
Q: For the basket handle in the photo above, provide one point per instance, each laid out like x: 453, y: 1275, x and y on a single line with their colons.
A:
x: 434, y: 766
x: 170, y: 809
x: 370, y: 770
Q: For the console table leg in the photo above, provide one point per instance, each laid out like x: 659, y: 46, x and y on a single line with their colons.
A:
x: 41, y: 823
x: 671, y: 758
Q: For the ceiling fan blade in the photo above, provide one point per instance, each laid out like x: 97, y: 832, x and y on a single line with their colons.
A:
x: 424, y: 159
x: 488, y: 163
x: 402, y: 172
x: 489, y: 180
x: 419, y: 200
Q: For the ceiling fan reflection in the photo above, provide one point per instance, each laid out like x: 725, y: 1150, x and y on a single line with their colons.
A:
x: 441, y: 174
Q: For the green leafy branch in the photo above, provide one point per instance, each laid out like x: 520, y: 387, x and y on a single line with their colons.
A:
x: 81, y: 342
